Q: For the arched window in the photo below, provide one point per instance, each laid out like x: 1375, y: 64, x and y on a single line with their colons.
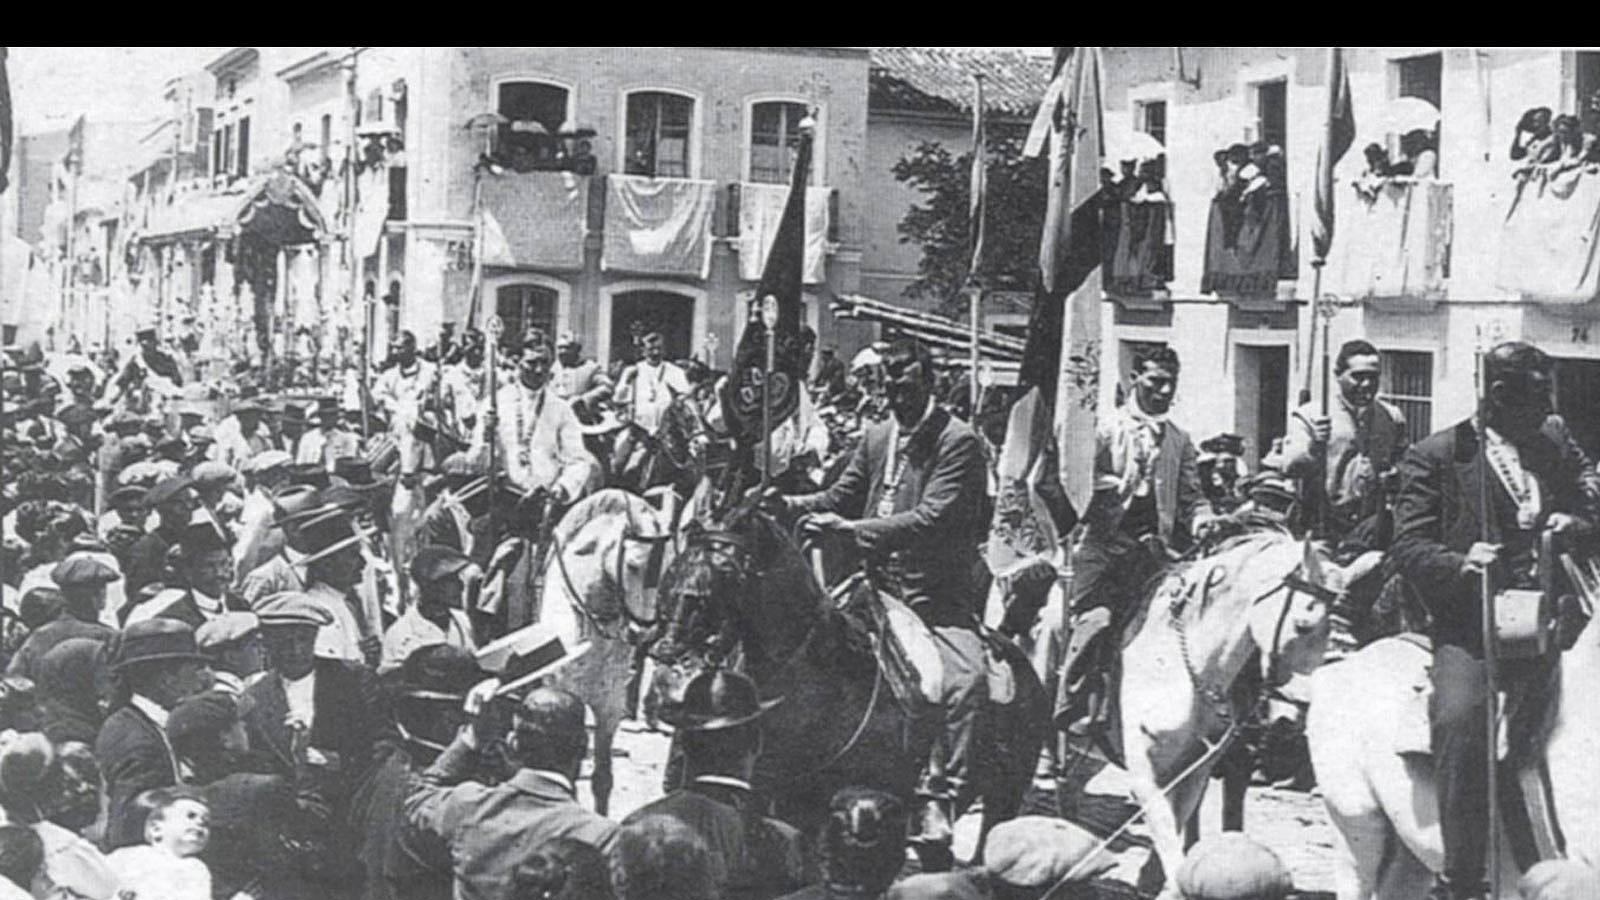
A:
x: 660, y: 134
x: 534, y: 110
x: 774, y: 139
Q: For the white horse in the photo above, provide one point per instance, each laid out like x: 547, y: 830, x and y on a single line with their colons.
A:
x: 595, y: 590
x: 1263, y: 591
x: 1370, y: 706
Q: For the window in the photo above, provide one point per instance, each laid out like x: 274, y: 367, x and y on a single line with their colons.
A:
x: 372, y: 113
x: 299, y: 134
x: 522, y: 307
x: 1587, y: 86
x: 658, y: 134
x: 227, y: 149
x: 774, y: 140
x: 244, y: 147
x: 1153, y: 120
x: 1406, y: 380
x: 216, y: 149
x: 533, y: 111
x: 1419, y: 76
x: 326, y: 136
x: 1272, y: 112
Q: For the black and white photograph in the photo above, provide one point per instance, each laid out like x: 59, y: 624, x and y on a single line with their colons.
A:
x: 799, y: 473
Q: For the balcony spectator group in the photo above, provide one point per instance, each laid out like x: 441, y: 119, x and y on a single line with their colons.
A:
x: 1554, y: 144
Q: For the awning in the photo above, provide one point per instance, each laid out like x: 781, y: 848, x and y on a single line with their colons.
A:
x: 278, y: 208
x: 936, y: 331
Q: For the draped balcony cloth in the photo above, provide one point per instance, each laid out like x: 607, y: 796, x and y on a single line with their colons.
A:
x: 658, y: 226
x: 1249, y: 247
x: 1138, y: 248
x: 372, y: 210
x: 760, y: 209
x: 1394, y: 242
x: 1548, y: 245
x: 535, y: 220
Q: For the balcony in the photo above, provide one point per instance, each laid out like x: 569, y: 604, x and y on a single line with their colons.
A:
x: 535, y: 219
x: 754, y: 211
x: 1548, y: 242
x: 1392, y: 240
x: 658, y: 226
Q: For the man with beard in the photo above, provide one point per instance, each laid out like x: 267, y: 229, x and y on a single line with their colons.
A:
x: 1535, y: 485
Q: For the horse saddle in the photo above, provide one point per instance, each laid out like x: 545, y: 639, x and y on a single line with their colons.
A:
x: 906, y: 648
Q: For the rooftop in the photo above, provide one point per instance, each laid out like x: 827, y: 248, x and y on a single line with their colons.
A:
x: 939, y: 79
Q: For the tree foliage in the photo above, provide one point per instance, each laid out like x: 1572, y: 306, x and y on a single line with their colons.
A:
x: 939, y: 224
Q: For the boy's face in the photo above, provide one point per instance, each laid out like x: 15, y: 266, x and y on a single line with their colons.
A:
x: 183, y: 828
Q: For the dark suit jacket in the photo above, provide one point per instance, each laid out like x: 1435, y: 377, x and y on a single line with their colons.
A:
x: 184, y: 609
x: 938, y: 521
x: 350, y: 719
x: 64, y: 627
x: 763, y: 857
x: 134, y: 757
x: 1439, y: 515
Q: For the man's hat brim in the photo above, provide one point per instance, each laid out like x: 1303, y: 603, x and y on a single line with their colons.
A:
x: 718, y: 723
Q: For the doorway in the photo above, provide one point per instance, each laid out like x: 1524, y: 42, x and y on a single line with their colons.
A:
x: 635, y: 314
x: 1261, y: 408
x: 1578, y: 400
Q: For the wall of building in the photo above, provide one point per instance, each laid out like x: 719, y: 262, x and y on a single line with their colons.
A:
x: 455, y: 84
x: 888, y: 264
x: 1483, y: 93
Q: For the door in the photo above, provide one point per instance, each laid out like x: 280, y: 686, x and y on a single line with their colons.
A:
x: 1261, y: 409
x: 1578, y: 400
x: 635, y: 314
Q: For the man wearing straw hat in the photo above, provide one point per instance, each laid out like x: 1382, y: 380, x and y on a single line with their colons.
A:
x: 333, y: 569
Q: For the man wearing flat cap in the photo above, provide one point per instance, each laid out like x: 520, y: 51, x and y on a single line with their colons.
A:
x: 307, y: 709
x: 540, y: 444
x: 159, y: 667
x: 482, y: 833
x: 81, y: 579
x: 205, y: 576
x: 761, y: 857
x: 437, y: 616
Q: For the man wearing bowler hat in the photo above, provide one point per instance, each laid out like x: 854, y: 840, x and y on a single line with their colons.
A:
x: 292, y: 425
x: 720, y: 724
x: 306, y: 709
x: 158, y: 666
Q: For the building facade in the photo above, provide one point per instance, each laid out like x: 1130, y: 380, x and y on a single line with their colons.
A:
x: 1428, y: 269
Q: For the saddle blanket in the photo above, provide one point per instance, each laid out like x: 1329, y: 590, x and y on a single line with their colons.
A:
x: 908, y: 649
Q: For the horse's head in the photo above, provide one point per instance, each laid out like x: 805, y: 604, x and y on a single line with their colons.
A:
x: 738, y: 594
x: 1290, y: 623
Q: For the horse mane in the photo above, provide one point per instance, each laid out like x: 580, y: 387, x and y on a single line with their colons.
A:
x: 1248, y: 545
x: 607, y: 502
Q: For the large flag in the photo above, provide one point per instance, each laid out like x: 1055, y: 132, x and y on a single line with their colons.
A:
x: 980, y: 181
x: 1044, y: 483
x: 781, y: 280
x: 1339, y: 132
x: 6, y: 132
x: 73, y: 160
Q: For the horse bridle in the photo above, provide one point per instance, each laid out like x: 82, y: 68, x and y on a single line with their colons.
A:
x: 634, y: 620
x: 1291, y: 582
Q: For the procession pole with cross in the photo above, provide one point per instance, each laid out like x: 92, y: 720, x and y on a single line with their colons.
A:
x: 769, y: 318
x: 1325, y: 308
x: 492, y: 426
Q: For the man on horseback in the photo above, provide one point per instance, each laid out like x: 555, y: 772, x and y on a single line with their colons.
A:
x: 912, y: 496
x: 1534, y: 475
x: 1147, y: 504
x: 581, y: 382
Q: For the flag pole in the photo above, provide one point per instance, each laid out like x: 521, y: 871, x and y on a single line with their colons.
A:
x: 1491, y: 674
x: 975, y: 227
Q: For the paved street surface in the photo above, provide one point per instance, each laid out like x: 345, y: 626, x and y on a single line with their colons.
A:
x: 1294, y: 825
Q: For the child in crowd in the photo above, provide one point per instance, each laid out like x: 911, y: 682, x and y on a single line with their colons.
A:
x: 167, y: 866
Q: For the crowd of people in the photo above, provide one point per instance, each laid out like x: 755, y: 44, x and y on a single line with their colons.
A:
x: 1553, y: 143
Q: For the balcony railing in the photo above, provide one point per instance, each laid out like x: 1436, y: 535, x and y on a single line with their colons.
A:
x: 1550, y: 243
x: 1392, y: 241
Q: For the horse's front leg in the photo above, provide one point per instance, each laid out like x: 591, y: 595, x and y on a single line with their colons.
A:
x: 605, y: 732
x: 1168, y: 809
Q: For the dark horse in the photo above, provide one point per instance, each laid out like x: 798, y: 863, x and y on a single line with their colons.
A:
x: 641, y: 460
x: 744, y: 598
